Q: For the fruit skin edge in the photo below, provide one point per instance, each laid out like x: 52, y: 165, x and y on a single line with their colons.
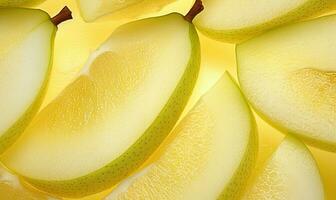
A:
x: 81, y: 186
x: 239, y: 181
x: 327, y: 146
x: 237, y: 36
x: 14, y: 132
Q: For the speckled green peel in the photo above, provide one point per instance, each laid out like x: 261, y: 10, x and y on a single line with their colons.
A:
x: 308, y: 10
x: 12, y: 134
x: 140, y: 151
x: 15, y: 130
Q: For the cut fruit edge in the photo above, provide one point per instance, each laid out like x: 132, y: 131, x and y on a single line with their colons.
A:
x: 291, y: 164
x: 234, y: 186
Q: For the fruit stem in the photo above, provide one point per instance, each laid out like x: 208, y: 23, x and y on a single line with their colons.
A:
x: 64, y: 15
x: 195, y: 10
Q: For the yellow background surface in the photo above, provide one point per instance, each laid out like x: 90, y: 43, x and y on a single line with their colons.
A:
x: 76, y: 39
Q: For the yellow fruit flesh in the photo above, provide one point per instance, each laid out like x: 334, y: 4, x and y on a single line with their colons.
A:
x: 25, y: 62
x: 15, y: 3
x: 237, y: 20
x: 290, y: 174
x: 289, y: 77
x: 99, y: 106
x: 209, y: 146
x: 91, y: 10
x: 216, y: 57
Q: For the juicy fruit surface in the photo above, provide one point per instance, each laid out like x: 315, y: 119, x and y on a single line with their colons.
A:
x: 209, y: 146
x: 290, y: 174
x: 238, y: 20
x: 101, y: 117
x: 19, y: 2
x: 92, y: 10
x: 26, y: 39
x: 288, y: 75
x: 12, y: 189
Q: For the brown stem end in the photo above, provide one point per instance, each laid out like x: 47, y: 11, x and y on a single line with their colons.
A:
x: 194, y: 11
x: 64, y: 15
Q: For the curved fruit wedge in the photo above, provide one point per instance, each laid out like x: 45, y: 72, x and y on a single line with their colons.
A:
x: 93, y: 9
x: 116, y: 113
x: 237, y: 20
x: 291, y: 173
x: 289, y: 76
x: 210, y: 157
x: 26, y: 38
x: 12, y: 189
x: 14, y: 3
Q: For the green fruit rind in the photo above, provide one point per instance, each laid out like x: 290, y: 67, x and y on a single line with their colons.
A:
x: 14, y: 3
x: 311, y: 9
x: 238, y: 183
x: 117, y: 170
x: 13, y: 133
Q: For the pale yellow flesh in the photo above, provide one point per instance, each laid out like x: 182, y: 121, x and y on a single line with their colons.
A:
x: 26, y: 38
x: 14, y: 3
x: 237, y: 20
x: 290, y: 174
x: 11, y: 188
x: 120, y: 93
x: 212, y: 144
x: 289, y: 76
x: 93, y: 9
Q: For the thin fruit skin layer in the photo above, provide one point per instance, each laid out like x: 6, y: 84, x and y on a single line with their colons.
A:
x: 43, y: 20
x: 207, y: 146
x: 288, y: 76
x: 309, y: 9
x: 108, y: 175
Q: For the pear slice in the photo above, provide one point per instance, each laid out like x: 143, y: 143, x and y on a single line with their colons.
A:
x: 93, y: 9
x: 291, y: 173
x: 15, y: 3
x: 11, y: 188
x: 210, y: 157
x: 26, y: 38
x: 107, y: 122
x: 237, y: 20
x: 289, y: 76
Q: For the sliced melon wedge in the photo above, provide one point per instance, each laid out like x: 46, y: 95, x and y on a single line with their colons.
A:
x: 289, y: 76
x: 290, y: 174
x: 237, y: 20
x: 211, y: 156
x: 115, y: 114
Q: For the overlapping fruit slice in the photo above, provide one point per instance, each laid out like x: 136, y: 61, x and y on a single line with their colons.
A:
x: 237, y: 20
x: 291, y: 173
x: 210, y: 157
x: 93, y: 9
x: 289, y: 76
x: 26, y: 47
x: 115, y: 114
x: 11, y: 188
